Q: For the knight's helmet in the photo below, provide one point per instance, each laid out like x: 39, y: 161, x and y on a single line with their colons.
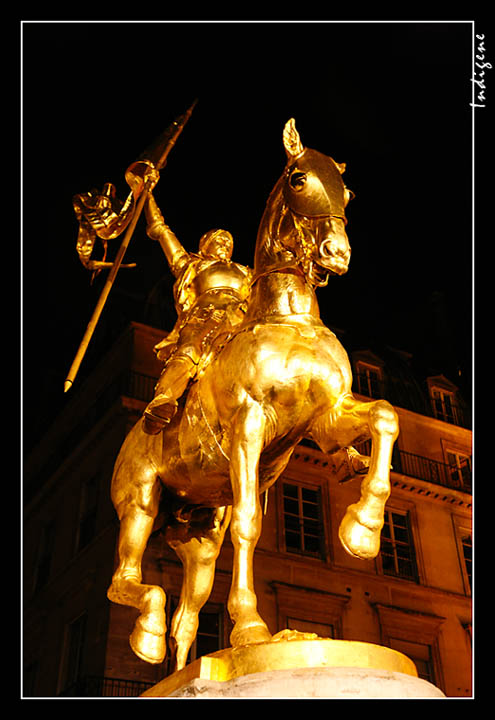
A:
x: 314, y: 185
x: 210, y: 236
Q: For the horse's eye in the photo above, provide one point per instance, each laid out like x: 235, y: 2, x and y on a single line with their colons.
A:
x: 348, y: 195
x: 297, y: 180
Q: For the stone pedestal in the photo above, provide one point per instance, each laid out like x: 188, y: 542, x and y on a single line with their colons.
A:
x: 329, y: 683
x: 299, y: 668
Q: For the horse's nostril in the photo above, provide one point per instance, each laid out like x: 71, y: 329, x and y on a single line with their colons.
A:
x: 334, y: 248
x: 326, y: 248
x: 330, y: 248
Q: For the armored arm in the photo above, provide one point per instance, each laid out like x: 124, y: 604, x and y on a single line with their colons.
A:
x: 158, y: 230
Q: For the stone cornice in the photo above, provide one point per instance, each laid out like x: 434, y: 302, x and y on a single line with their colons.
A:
x: 431, y: 491
x: 317, y: 462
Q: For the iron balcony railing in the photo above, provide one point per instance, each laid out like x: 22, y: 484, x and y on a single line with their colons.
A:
x: 455, y: 477
x: 139, y: 386
x: 407, y: 395
x: 94, y: 686
x: 438, y: 473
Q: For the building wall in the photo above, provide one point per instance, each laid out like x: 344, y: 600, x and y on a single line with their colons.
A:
x: 431, y: 438
x: 334, y: 594
x: 79, y: 571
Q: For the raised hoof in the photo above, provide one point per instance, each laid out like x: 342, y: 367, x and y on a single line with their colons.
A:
x: 148, y: 646
x: 357, y: 539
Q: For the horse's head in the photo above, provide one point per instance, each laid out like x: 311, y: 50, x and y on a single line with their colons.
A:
x: 312, y: 200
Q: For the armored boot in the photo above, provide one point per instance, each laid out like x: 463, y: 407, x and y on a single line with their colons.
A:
x: 171, y: 385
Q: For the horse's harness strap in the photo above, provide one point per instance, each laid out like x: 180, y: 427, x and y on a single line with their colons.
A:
x: 281, y: 268
x: 209, y: 426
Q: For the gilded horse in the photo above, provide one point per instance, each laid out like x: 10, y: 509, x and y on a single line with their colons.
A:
x: 282, y: 376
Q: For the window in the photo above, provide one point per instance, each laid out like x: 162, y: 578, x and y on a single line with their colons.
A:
x: 468, y: 627
x: 368, y: 380
x: 416, y: 635
x: 323, y: 630
x: 74, y: 653
x: 463, y: 536
x: 420, y: 655
x: 303, y: 528
x: 446, y: 401
x: 87, y: 512
x: 397, y: 553
x: 443, y: 404
x: 45, y: 554
x: 209, y: 635
x: 459, y: 469
x: 308, y: 610
x: 467, y: 555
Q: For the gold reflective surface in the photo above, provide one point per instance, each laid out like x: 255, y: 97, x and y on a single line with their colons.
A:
x: 249, y: 370
x: 285, y: 655
x: 210, y: 298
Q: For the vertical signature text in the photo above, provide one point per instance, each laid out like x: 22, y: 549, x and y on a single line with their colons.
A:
x: 478, y: 79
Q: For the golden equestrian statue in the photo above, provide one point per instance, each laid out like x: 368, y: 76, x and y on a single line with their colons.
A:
x: 279, y: 375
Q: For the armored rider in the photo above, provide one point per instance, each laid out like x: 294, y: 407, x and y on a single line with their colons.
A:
x: 210, y: 296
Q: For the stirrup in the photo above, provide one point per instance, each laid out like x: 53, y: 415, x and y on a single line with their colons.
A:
x: 155, y: 420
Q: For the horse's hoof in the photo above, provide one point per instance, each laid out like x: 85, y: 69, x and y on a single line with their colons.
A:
x: 357, y: 539
x: 250, y: 634
x: 148, y: 646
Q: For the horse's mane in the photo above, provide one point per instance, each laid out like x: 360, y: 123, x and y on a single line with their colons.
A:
x: 268, y: 243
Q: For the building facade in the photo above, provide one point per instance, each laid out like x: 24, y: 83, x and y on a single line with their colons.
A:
x: 414, y: 597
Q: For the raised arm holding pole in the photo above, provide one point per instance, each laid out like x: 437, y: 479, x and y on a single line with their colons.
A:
x: 150, y: 178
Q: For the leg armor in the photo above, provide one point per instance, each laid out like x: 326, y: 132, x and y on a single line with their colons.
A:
x: 171, y: 385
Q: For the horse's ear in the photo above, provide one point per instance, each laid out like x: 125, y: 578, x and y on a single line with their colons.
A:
x: 292, y: 142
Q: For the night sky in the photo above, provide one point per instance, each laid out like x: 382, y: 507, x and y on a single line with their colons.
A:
x: 391, y: 100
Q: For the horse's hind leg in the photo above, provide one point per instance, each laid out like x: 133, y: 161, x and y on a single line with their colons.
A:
x: 136, y: 503
x: 198, y: 555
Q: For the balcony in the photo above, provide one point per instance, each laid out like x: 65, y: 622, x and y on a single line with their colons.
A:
x: 93, y: 686
x: 139, y: 386
x: 407, y: 394
x: 455, y: 477
x: 438, y: 473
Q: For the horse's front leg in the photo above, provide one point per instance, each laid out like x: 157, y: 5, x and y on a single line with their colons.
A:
x: 361, y: 526
x: 136, y: 501
x: 245, y: 526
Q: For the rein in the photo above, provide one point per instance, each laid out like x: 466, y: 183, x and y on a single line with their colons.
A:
x: 307, y: 255
x: 282, y: 268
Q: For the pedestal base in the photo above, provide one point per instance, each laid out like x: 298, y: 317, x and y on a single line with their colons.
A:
x: 329, y: 683
x: 299, y: 668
